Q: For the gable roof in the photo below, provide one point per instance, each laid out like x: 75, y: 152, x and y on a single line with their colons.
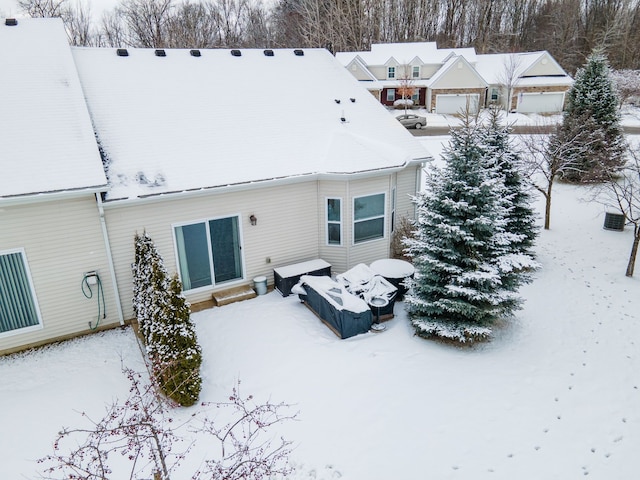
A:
x: 406, y: 54
x: 180, y: 123
x: 493, y: 68
x: 459, y: 62
x: 47, y: 143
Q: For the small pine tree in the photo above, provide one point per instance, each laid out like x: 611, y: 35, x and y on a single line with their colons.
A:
x: 457, y: 291
x: 592, y: 109
x: 165, y: 326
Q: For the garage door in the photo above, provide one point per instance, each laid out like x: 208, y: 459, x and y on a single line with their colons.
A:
x: 544, y: 102
x: 450, y: 103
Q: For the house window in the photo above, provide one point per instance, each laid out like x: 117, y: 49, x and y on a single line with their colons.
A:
x: 494, y: 94
x: 391, y: 72
x: 393, y: 208
x: 334, y: 221
x: 18, y: 306
x: 416, y: 96
x: 368, y: 218
x: 209, y: 252
x: 391, y: 94
x: 415, y: 71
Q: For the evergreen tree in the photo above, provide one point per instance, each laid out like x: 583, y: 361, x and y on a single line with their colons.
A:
x: 165, y: 326
x: 504, y: 161
x: 593, y: 118
x: 459, y: 246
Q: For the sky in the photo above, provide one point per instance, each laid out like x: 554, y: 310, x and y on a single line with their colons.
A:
x: 554, y: 395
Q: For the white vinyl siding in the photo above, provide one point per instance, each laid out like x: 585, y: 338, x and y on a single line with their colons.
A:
x: 57, y: 260
x: 286, y: 231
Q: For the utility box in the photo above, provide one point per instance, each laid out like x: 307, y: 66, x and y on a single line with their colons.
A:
x: 614, y: 221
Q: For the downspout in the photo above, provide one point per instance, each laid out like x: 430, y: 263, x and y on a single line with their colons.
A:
x: 114, y: 283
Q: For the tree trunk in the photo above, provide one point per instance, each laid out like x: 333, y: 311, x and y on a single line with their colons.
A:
x: 634, y: 251
x: 547, y: 207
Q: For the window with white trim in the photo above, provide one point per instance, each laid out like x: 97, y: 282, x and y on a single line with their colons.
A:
x: 368, y: 217
x: 415, y: 71
x: 18, y: 306
x: 334, y: 221
x: 391, y: 72
x: 209, y: 252
x: 393, y: 208
x: 391, y: 94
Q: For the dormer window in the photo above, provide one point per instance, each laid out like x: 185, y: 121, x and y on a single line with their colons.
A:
x: 391, y: 72
x: 415, y: 71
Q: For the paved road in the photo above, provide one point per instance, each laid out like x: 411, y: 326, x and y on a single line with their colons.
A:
x: 517, y: 129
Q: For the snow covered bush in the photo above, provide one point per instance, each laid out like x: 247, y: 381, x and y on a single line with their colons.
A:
x: 165, y: 325
x: 470, y: 254
x: 592, y: 115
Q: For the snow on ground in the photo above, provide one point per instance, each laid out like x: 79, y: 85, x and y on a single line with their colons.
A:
x: 556, y: 395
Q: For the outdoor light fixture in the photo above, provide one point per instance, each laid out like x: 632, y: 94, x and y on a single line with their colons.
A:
x: 253, y: 220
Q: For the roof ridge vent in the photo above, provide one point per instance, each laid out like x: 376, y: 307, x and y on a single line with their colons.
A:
x: 10, y: 22
x: 122, y: 52
x: 195, y: 53
x: 268, y: 53
x: 236, y: 53
x: 298, y: 53
x: 160, y: 52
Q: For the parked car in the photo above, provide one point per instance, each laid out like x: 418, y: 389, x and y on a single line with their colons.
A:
x: 412, y: 121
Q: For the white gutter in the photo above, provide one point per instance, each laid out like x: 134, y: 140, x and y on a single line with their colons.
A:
x: 112, y: 270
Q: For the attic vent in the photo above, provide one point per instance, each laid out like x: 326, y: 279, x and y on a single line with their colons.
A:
x: 353, y: 100
x: 161, y: 53
x: 122, y: 52
x: 11, y: 22
x: 342, y: 119
x: 337, y: 100
x: 268, y: 53
x: 298, y: 53
x: 195, y: 53
x: 236, y: 53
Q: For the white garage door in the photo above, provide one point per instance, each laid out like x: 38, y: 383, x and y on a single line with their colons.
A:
x: 544, y: 102
x: 457, y: 103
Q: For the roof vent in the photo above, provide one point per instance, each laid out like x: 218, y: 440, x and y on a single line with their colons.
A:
x: 122, y: 52
x: 236, y: 53
x: 298, y: 53
x: 195, y: 53
x: 337, y: 100
x: 160, y: 53
x: 11, y: 22
x: 268, y: 53
x: 343, y: 120
x: 353, y: 100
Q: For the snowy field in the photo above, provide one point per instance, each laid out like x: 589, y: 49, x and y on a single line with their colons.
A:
x: 555, y: 395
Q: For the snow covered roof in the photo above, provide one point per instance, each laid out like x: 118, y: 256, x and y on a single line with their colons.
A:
x: 405, y: 53
x: 180, y: 122
x: 47, y: 143
x: 493, y: 67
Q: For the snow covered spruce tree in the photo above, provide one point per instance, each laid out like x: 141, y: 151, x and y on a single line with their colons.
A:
x: 504, y: 162
x: 165, y: 325
x: 466, y: 270
x: 592, y: 108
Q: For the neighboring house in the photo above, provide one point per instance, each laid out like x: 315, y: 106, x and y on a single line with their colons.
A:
x: 449, y: 80
x: 531, y: 82
x: 234, y: 161
x: 50, y: 229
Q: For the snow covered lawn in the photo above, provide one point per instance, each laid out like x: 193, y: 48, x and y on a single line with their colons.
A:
x: 556, y: 395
